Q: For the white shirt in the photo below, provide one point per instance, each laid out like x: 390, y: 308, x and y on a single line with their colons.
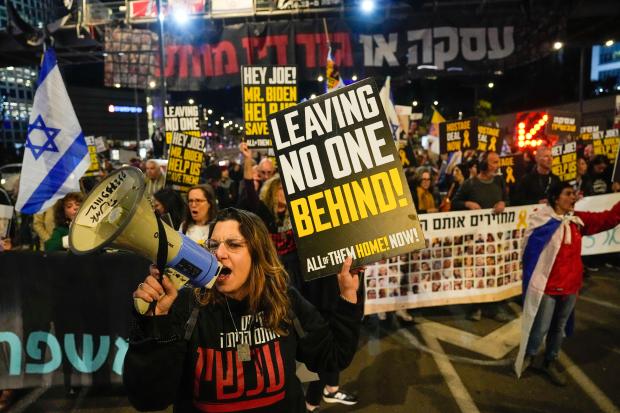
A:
x: 198, y: 233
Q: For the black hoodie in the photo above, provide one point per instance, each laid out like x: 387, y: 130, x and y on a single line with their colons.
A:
x: 205, y: 374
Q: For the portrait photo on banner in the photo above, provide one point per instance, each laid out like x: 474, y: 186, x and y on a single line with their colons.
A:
x: 343, y: 181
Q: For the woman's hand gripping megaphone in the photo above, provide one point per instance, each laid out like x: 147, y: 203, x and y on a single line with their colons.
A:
x: 163, y: 292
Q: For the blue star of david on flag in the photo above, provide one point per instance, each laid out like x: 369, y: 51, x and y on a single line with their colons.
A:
x: 394, y: 128
x: 50, y: 134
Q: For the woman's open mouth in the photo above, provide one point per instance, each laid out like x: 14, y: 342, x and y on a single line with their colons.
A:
x: 224, y: 274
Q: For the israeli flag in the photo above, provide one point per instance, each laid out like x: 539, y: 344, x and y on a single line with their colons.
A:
x: 388, y: 106
x: 55, y: 154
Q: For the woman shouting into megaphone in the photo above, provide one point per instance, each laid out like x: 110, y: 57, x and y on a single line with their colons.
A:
x: 249, y: 331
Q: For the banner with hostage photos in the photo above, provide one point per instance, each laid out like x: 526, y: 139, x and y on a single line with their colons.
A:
x: 130, y: 58
x: 471, y: 257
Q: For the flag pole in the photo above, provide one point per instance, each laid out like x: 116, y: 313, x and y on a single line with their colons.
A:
x: 329, y: 45
x: 162, y: 74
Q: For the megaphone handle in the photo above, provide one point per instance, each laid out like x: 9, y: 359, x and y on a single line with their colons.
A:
x: 162, y: 256
x: 177, y: 279
x: 162, y: 249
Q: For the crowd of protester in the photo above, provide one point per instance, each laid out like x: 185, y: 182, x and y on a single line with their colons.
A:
x: 465, y: 181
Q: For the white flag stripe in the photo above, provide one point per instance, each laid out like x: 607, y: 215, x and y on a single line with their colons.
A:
x: 388, y: 106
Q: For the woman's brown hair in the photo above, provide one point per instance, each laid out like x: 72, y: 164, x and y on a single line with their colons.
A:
x: 267, y: 284
x: 269, y: 194
x: 59, y: 207
x: 209, y: 194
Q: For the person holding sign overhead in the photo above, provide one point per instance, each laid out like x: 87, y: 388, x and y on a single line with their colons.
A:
x: 238, y: 350
x: 271, y: 207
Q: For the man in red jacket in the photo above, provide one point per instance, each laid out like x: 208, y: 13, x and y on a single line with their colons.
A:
x: 553, y: 273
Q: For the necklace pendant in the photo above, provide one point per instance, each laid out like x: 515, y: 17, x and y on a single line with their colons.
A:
x: 243, y: 351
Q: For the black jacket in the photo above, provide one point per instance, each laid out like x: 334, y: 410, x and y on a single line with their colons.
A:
x: 162, y: 368
x: 533, y: 187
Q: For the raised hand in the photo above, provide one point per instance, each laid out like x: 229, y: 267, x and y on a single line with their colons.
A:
x: 347, y: 282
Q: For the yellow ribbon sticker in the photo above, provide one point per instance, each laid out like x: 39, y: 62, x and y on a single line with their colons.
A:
x: 510, y: 178
x: 522, y: 219
x: 403, y: 157
x: 493, y: 144
x: 466, y: 142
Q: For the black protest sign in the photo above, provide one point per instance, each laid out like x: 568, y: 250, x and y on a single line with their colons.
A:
x: 184, y: 119
x: 265, y: 90
x: 585, y: 133
x: 343, y: 180
x: 458, y: 135
x: 489, y: 139
x: 185, y: 158
x: 512, y: 168
x: 93, y: 169
x: 564, y: 163
x: 606, y: 143
x: 562, y: 125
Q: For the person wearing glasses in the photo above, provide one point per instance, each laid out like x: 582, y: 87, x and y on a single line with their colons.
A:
x: 249, y: 330
x: 201, y: 209
x: 266, y: 169
x: 422, y: 193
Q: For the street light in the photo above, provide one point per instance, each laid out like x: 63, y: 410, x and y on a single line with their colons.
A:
x: 152, y: 84
x: 558, y: 45
x: 435, y: 102
x: 180, y: 16
x: 367, y: 6
x: 490, y: 85
x: 414, y: 103
x: 190, y: 101
x: 320, y: 78
x: 354, y: 78
x: 209, y: 111
x: 609, y: 43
